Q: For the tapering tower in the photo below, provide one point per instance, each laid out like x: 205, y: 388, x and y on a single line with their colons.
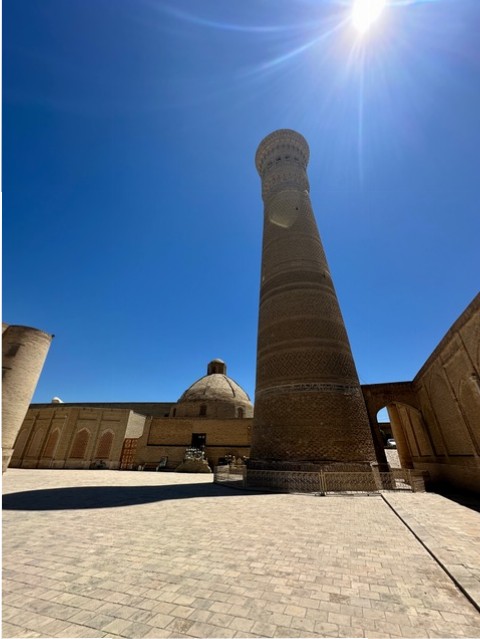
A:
x: 309, y: 408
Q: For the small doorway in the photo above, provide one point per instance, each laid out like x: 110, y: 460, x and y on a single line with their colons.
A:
x: 199, y: 440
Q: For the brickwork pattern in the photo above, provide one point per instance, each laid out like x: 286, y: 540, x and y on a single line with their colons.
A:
x: 104, y: 446
x: 316, y: 426
x: 208, y: 561
x: 56, y: 436
x: 79, y: 446
x: 51, y: 444
x: 129, y: 449
x: 283, y: 331
x: 314, y: 360
x: 24, y: 351
x: 301, y: 337
x: 215, y: 395
x: 170, y: 438
x: 441, y: 433
x: 69, y: 437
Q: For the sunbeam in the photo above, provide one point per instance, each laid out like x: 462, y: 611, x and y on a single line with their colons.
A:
x: 358, y: 62
x: 295, y: 52
x: 229, y: 26
x: 361, y: 88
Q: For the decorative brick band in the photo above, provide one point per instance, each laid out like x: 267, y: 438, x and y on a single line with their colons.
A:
x: 314, y: 387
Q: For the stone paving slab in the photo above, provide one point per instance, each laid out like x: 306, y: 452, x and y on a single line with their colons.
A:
x: 449, y: 530
x: 129, y: 554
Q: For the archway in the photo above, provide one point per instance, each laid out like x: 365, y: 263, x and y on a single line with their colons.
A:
x: 387, y: 396
x: 384, y: 426
x: 390, y: 427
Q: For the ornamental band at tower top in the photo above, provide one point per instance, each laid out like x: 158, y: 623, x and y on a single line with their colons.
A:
x: 309, y: 409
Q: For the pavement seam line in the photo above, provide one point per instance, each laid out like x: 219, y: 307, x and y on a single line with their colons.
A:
x: 434, y: 557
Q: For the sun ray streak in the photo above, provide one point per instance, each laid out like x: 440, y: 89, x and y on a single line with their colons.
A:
x: 270, y: 64
x: 228, y: 26
x: 360, y: 136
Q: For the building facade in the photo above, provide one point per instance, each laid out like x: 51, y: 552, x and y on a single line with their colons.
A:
x: 310, y: 410
x: 214, y: 414
x: 435, y: 418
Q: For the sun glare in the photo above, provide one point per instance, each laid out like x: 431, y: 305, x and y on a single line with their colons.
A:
x: 366, y: 12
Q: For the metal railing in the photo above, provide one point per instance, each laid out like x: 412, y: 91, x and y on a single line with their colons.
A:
x: 322, y: 482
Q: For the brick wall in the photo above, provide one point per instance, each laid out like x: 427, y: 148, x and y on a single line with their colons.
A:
x: 72, y: 437
x: 439, y: 431
x: 170, y: 437
x: 447, y: 441
x: 24, y: 351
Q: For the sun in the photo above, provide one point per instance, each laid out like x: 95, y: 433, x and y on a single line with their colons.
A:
x: 366, y: 12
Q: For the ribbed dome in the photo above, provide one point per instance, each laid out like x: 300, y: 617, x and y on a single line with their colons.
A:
x: 215, y: 396
x: 214, y: 386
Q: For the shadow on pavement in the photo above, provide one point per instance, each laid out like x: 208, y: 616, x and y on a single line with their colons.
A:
x: 469, y: 500
x: 110, y: 496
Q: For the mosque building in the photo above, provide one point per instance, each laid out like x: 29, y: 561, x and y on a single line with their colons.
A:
x: 311, y: 412
x: 213, y: 415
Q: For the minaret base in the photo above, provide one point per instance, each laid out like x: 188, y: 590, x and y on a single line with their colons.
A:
x: 311, y: 477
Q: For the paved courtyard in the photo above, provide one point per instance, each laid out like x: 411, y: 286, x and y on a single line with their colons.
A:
x: 131, y: 554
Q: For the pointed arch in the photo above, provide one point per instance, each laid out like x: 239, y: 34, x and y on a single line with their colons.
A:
x: 104, y: 445
x: 36, y: 443
x: 52, y: 442
x: 79, y: 446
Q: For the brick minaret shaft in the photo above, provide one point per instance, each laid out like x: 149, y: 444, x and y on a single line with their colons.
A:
x: 309, y: 406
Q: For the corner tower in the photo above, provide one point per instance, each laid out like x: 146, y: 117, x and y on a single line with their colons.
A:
x: 309, y: 408
x: 24, y: 353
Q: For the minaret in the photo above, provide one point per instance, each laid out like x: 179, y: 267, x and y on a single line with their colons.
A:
x: 24, y: 353
x: 309, y: 409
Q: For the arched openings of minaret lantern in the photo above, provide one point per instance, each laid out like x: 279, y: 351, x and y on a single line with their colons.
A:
x: 285, y: 158
x: 281, y: 146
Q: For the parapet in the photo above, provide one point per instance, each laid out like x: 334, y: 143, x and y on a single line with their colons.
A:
x: 281, y: 161
x: 281, y: 145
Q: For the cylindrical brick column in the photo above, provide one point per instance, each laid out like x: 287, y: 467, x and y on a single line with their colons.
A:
x: 24, y: 353
x: 309, y: 407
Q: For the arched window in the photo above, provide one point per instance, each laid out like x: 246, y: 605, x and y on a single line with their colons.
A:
x: 240, y: 413
x: 51, y: 443
x: 79, y: 446
x: 203, y: 410
x: 36, y: 443
x: 104, y: 445
x: 20, y: 443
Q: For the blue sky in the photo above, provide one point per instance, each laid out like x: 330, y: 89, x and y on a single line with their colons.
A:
x: 132, y: 215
